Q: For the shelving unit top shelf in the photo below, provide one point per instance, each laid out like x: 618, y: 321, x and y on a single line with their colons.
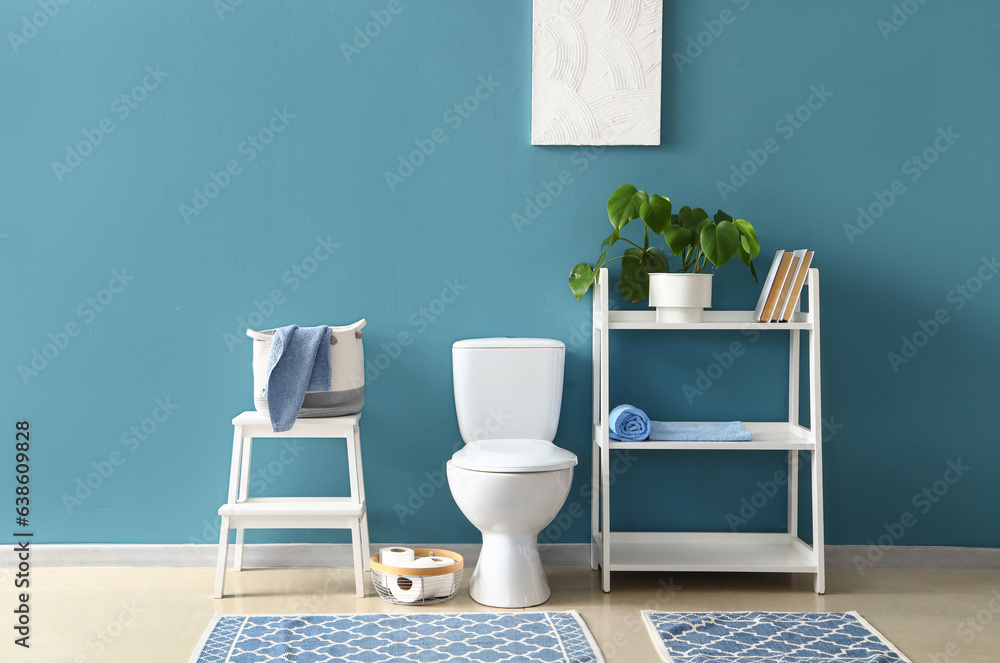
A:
x: 712, y: 320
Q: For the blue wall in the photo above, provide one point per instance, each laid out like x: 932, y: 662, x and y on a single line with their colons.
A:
x: 336, y: 119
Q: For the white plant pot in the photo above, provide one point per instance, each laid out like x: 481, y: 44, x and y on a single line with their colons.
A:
x: 680, y: 297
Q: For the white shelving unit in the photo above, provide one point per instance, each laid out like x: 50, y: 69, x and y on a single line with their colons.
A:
x: 714, y: 551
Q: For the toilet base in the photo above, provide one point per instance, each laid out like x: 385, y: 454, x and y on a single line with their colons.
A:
x: 509, y: 573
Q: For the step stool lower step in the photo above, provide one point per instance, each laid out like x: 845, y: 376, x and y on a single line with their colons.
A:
x: 293, y: 512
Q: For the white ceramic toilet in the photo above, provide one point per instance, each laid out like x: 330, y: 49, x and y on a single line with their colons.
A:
x: 509, y: 479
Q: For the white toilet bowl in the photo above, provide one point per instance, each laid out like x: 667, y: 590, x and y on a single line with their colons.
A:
x: 509, y: 479
x: 510, y: 508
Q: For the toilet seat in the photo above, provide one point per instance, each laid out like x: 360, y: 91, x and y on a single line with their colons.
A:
x: 513, y: 455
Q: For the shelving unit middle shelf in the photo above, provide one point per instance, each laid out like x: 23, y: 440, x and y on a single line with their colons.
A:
x: 767, y: 435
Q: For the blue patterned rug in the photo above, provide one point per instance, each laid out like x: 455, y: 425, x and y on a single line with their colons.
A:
x: 559, y: 637
x: 768, y: 637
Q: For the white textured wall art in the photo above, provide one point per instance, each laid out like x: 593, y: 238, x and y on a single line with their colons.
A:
x: 595, y: 72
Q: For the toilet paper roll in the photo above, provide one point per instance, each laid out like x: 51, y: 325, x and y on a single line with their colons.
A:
x: 406, y: 589
x: 396, y: 556
x: 410, y: 589
x: 438, y: 586
x: 428, y: 562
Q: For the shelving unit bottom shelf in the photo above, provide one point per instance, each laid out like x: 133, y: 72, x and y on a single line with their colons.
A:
x: 708, y: 551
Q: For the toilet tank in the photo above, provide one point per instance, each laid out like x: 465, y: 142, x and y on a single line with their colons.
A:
x: 508, y: 387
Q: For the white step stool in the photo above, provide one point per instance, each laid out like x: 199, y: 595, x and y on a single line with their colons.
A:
x: 242, y: 512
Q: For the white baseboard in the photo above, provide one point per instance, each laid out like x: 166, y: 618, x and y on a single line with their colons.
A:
x: 339, y: 555
x: 261, y: 555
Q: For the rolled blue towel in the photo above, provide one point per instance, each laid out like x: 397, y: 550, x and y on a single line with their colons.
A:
x: 628, y: 423
x: 710, y: 431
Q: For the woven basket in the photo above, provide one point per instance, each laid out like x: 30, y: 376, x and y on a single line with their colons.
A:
x: 420, y: 586
x: 347, y: 363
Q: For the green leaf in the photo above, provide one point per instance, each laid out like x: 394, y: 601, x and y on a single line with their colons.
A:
x: 656, y: 213
x: 606, y: 245
x: 699, y: 214
x: 696, y: 229
x: 721, y: 216
x: 720, y: 242
x: 609, y: 241
x: 624, y: 205
x: 634, y: 282
x: 744, y: 227
x: 748, y: 232
x: 685, y: 219
x: 677, y: 238
x: 655, y: 261
x: 747, y: 260
x: 581, y: 278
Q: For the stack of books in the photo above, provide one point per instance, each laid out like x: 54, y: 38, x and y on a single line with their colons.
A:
x: 783, y: 286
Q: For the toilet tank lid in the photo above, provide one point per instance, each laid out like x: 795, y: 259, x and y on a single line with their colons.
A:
x: 507, y: 342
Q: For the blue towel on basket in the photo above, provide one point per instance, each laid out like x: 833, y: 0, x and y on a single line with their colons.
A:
x: 628, y: 423
x: 299, y: 362
x: 631, y: 424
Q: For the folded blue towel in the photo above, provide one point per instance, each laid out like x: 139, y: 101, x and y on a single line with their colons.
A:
x: 628, y: 423
x: 299, y: 362
x: 711, y: 431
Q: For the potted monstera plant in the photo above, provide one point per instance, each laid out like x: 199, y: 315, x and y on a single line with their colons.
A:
x: 691, y: 235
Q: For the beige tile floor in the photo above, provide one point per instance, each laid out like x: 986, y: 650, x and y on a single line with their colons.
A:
x: 97, y: 615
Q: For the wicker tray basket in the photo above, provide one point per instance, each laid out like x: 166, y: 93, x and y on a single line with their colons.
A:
x: 420, y: 586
